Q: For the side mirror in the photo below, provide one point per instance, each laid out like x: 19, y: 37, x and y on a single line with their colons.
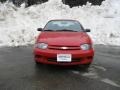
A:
x: 87, y: 30
x: 39, y: 29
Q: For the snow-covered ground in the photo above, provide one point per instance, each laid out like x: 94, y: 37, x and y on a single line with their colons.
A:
x: 18, y: 25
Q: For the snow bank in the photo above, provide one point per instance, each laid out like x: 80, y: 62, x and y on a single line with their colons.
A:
x: 18, y: 25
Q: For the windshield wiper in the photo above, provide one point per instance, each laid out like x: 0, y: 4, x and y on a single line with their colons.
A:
x: 67, y: 30
x: 60, y: 30
x: 49, y: 30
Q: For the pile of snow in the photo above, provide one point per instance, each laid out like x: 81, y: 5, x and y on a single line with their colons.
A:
x: 18, y: 25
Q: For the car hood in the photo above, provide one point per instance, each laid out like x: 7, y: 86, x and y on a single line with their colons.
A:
x: 64, y: 38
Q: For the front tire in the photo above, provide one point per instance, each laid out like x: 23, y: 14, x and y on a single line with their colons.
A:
x: 37, y: 63
x: 86, y: 66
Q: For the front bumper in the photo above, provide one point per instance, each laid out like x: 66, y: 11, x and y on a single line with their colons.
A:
x: 49, y: 56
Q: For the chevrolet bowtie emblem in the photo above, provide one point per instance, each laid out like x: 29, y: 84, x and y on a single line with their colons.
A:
x: 64, y: 47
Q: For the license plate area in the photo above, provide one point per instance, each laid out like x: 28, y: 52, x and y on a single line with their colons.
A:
x: 64, y: 57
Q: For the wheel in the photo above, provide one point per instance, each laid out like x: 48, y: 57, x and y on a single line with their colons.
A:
x: 86, y: 66
x: 37, y: 63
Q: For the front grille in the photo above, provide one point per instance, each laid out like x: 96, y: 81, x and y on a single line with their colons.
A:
x: 55, y: 60
x: 64, y: 47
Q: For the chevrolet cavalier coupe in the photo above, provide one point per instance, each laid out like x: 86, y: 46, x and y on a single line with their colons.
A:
x: 64, y: 42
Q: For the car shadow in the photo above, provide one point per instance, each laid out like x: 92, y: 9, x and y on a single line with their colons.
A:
x: 59, y: 69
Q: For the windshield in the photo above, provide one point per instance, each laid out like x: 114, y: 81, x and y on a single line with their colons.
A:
x: 63, y: 25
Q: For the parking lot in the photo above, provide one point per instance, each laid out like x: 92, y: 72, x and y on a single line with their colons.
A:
x: 19, y: 72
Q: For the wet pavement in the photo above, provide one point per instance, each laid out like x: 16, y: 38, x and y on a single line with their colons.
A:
x: 19, y: 72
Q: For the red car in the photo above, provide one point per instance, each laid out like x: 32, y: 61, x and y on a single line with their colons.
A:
x: 63, y: 42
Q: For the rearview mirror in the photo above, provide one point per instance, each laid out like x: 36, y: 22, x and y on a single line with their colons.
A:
x: 39, y: 29
x: 87, y: 30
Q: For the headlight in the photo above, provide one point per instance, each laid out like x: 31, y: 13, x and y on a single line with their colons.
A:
x: 85, y: 47
x: 41, y: 45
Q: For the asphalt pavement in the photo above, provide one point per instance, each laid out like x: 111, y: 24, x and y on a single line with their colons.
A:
x: 18, y: 71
